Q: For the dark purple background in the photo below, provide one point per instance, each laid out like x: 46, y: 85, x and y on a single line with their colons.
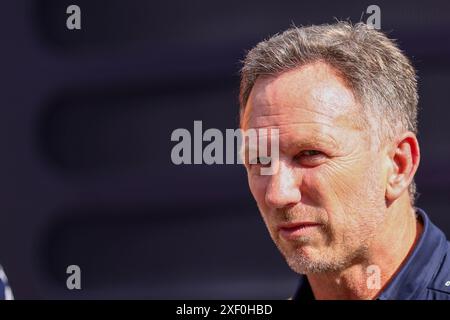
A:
x: 86, y: 118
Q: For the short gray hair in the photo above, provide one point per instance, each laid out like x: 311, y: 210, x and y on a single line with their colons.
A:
x: 379, y: 74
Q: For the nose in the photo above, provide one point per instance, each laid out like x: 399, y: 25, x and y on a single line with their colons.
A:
x: 283, y: 188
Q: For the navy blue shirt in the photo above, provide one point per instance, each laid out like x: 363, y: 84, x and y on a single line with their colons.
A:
x: 425, y: 275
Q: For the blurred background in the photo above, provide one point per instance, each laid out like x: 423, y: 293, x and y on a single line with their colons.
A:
x: 85, y: 123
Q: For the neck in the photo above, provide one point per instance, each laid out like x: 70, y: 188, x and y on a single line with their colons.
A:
x: 366, y: 278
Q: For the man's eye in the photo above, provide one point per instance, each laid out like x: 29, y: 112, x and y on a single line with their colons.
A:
x: 310, y: 158
x: 310, y: 153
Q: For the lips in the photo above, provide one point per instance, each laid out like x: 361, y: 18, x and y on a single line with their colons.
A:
x: 291, y: 231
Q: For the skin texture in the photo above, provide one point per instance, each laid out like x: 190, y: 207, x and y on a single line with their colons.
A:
x: 330, y: 175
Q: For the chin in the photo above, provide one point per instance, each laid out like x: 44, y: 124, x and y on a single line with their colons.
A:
x: 302, y: 264
x: 309, y: 261
x: 297, y: 251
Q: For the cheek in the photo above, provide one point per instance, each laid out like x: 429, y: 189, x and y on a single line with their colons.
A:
x: 347, y: 179
x: 350, y: 192
x: 336, y: 187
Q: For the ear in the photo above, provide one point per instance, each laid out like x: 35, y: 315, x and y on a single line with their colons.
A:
x: 404, y: 158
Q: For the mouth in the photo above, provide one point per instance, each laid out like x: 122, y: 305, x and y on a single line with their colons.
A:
x: 291, y: 231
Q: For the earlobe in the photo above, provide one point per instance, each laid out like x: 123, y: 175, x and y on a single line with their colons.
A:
x: 405, y: 160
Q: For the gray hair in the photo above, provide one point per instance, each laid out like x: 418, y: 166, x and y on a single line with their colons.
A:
x: 381, y: 77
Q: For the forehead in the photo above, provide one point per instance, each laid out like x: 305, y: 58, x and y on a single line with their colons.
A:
x: 313, y: 94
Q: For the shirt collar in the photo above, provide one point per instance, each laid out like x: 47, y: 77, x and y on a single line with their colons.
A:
x: 420, y: 266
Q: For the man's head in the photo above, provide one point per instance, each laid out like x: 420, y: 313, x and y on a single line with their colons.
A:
x: 344, y: 99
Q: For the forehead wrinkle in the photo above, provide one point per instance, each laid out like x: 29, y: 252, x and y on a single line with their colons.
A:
x: 330, y: 98
x: 293, y: 140
x: 280, y: 113
x: 301, y: 128
x: 348, y: 120
x: 329, y: 110
x: 272, y: 121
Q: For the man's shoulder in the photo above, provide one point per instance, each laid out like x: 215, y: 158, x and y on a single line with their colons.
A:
x: 439, y: 287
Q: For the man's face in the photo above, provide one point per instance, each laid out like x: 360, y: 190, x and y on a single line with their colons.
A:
x: 326, y: 201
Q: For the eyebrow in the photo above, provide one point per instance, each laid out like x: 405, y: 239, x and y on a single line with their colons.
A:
x: 313, y: 141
